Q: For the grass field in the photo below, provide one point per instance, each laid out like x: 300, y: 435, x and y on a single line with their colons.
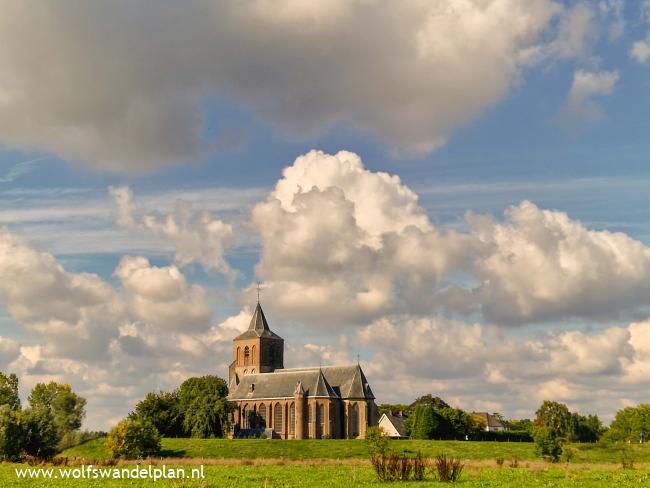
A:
x: 360, y: 475
x: 355, y: 449
x: 331, y: 463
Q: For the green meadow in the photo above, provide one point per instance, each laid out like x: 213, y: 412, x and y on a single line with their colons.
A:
x: 330, y: 463
x: 355, y: 449
x: 317, y: 475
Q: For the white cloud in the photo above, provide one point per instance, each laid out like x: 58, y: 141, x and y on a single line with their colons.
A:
x: 127, y: 94
x: 341, y: 241
x: 161, y: 295
x: 641, y: 51
x: 580, y: 107
x: 197, y: 236
x: 477, y: 365
x: 541, y: 265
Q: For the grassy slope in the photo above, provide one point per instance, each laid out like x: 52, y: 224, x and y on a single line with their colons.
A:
x: 346, y: 449
x: 332, y: 476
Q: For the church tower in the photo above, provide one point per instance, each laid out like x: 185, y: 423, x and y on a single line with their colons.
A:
x: 257, y: 350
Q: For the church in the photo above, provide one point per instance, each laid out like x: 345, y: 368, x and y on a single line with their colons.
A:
x: 333, y: 402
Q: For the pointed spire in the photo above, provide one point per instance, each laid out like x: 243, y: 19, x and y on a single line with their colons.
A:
x: 258, y: 321
x: 322, y: 388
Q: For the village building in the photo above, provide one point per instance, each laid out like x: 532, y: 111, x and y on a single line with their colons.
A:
x: 302, y: 403
x: 492, y: 422
x: 394, y: 426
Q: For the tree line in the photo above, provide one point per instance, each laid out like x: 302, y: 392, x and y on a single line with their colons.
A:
x: 49, y: 423
x: 197, y: 408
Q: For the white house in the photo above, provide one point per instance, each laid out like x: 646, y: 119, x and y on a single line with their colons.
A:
x: 393, y: 425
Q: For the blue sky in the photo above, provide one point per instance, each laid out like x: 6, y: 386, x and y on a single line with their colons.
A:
x: 476, y: 109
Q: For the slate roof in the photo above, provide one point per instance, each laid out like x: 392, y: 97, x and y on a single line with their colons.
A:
x: 399, y: 422
x: 258, y: 326
x: 327, y: 381
x: 490, y: 420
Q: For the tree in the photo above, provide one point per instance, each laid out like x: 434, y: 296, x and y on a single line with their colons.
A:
x: 205, y: 407
x: 435, y: 402
x: 394, y: 408
x: 585, y: 429
x: 133, y: 439
x: 547, y: 443
x: 11, y: 438
x: 457, y: 422
x: 425, y: 422
x: 9, y: 391
x: 163, y: 410
x: 556, y: 417
x: 524, y: 425
x: 66, y: 408
x: 631, y: 423
x: 40, y: 432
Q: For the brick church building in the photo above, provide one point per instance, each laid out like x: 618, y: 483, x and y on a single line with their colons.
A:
x: 302, y: 403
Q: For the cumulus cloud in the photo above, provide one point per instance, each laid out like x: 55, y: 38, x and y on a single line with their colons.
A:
x: 580, y: 107
x: 475, y: 365
x: 125, y: 90
x: 343, y: 244
x: 109, y: 342
x: 162, y: 296
x: 641, y: 51
x: 339, y: 240
x: 197, y: 236
x: 541, y: 265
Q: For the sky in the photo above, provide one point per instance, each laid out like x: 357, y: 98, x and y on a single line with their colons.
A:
x: 454, y: 191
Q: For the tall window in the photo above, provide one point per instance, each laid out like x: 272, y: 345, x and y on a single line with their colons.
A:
x: 354, y: 420
x: 320, y: 419
x: 253, y: 350
x: 333, y: 422
x: 245, y: 419
x: 292, y: 418
x: 262, y: 413
x: 277, y: 418
x: 239, y: 355
x: 247, y: 354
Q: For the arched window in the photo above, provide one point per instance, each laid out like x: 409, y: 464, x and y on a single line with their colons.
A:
x: 277, y: 418
x: 292, y: 418
x: 239, y: 356
x: 354, y: 420
x: 245, y: 417
x: 247, y: 355
x: 320, y: 419
x: 262, y: 413
x: 253, y: 351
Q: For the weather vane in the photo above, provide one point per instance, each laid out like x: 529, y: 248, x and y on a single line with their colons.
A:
x: 259, y: 285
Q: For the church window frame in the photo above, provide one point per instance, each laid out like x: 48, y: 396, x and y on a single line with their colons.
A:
x: 262, y: 412
x: 320, y: 419
x: 278, y: 417
x: 353, y: 412
x: 247, y: 354
x: 292, y: 418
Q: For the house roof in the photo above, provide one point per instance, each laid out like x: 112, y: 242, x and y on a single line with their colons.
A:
x: 490, y: 420
x: 398, y: 421
x: 258, y: 326
x: 327, y: 382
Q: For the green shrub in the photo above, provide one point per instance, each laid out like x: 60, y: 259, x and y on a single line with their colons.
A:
x: 376, y: 441
x: 134, y: 439
x: 11, y: 436
x: 548, y: 444
x: 40, y: 433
